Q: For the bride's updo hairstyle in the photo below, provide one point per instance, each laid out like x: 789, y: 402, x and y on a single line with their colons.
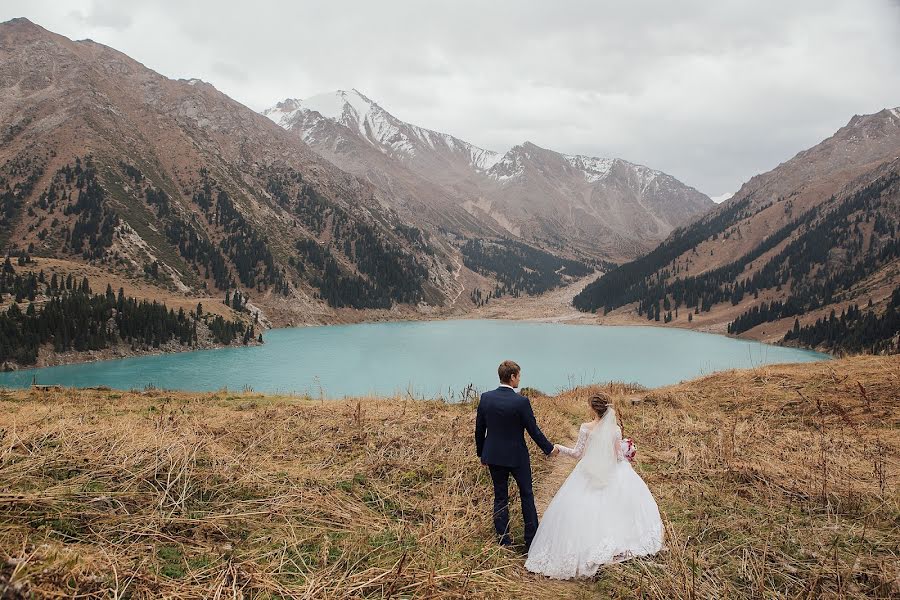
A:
x: 600, y: 403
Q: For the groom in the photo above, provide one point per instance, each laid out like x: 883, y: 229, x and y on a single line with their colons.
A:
x: 503, y: 417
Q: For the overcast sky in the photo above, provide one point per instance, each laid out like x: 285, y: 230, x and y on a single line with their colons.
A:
x: 711, y: 91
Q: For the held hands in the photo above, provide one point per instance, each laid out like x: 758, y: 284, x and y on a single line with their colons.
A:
x: 555, y: 450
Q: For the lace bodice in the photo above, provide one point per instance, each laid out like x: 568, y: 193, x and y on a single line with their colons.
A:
x: 584, y: 432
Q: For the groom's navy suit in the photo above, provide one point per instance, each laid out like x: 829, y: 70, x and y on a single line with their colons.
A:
x: 500, y: 425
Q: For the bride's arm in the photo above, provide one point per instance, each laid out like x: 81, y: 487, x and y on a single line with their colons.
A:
x: 617, y: 445
x: 578, y: 450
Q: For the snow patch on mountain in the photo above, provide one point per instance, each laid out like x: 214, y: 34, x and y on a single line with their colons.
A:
x: 509, y: 166
x: 722, y: 197
x: 594, y: 168
x: 483, y: 160
x: 335, y: 105
x: 281, y: 112
x: 390, y: 135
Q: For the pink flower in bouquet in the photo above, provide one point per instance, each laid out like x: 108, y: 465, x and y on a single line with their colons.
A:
x: 629, y: 449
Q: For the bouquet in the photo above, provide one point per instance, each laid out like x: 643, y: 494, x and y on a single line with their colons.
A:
x: 628, y: 449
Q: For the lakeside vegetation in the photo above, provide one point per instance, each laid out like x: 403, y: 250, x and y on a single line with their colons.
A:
x: 65, y: 314
x: 780, y: 481
x: 518, y: 268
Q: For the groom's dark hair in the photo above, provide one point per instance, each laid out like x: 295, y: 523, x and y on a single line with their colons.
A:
x: 507, y: 369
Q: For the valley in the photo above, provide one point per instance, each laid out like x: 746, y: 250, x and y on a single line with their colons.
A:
x: 248, y: 311
x: 331, y: 210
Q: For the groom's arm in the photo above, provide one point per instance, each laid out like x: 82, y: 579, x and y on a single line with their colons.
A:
x: 533, y: 430
x: 480, y: 430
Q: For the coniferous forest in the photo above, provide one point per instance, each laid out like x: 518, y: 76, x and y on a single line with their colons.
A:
x: 518, y: 267
x: 827, y: 251
x: 345, y: 257
x: 854, y: 330
x: 638, y: 280
x: 66, y: 313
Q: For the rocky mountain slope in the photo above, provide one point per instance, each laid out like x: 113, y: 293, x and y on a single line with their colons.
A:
x: 576, y: 205
x: 817, y: 234
x: 104, y: 162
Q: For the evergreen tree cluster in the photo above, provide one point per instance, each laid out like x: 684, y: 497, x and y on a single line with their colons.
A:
x: 394, y: 273
x: 518, y: 267
x: 92, y: 232
x: 67, y: 314
x: 311, y: 207
x: 831, y: 253
x: 479, y: 298
x: 639, y: 279
x: 237, y: 301
x: 386, y: 270
x: 225, y: 332
x: 854, y: 331
x: 159, y: 199
x: 765, y: 313
x: 56, y: 197
x: 241, y: 243
x: 195, y: 247
x: 337, y: 288
x: 26, y: 172
x: 829, y: 257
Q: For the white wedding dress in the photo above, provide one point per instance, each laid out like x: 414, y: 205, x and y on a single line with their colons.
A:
x: 603, y: 513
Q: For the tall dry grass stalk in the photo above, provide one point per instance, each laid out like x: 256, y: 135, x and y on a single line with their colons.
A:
x: 779, y: 482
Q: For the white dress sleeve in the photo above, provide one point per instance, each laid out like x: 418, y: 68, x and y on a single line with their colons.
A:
x: 620, y: 454
x: 578, y: 450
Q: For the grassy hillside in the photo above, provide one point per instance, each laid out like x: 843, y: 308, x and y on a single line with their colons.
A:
x: 816, y: 235
x: 778, y: 482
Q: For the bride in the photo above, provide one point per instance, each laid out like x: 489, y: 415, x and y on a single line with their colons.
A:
x: 603, y: 513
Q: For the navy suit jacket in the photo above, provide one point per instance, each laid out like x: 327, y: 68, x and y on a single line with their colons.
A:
x: 500, y: 425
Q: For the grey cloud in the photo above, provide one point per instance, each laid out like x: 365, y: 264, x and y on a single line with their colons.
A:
x: 230, y: 71
x: 106, y: 14
x: 712, y: 92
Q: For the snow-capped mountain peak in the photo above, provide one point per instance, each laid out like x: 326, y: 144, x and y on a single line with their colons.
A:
x: 390, y: 135
x: 525, y: 191
x: 594, y: 168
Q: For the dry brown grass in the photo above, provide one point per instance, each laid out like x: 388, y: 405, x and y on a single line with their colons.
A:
x: 775, y: 482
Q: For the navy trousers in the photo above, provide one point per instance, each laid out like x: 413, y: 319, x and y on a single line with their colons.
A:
x: 500, y: 477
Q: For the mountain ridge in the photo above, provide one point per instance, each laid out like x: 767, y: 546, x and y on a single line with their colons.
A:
x: 497, y: 188
x: 814, y: 235
x: 187, y: 178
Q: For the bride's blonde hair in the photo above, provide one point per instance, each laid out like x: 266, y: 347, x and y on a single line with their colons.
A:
x: 600, y: 403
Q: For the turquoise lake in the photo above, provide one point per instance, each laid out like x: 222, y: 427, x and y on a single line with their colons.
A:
x: 428, y: 359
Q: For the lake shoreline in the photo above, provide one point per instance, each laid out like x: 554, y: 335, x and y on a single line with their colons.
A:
x: 49, y: 358
x: 411, y: 358
x: 553, y: 306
